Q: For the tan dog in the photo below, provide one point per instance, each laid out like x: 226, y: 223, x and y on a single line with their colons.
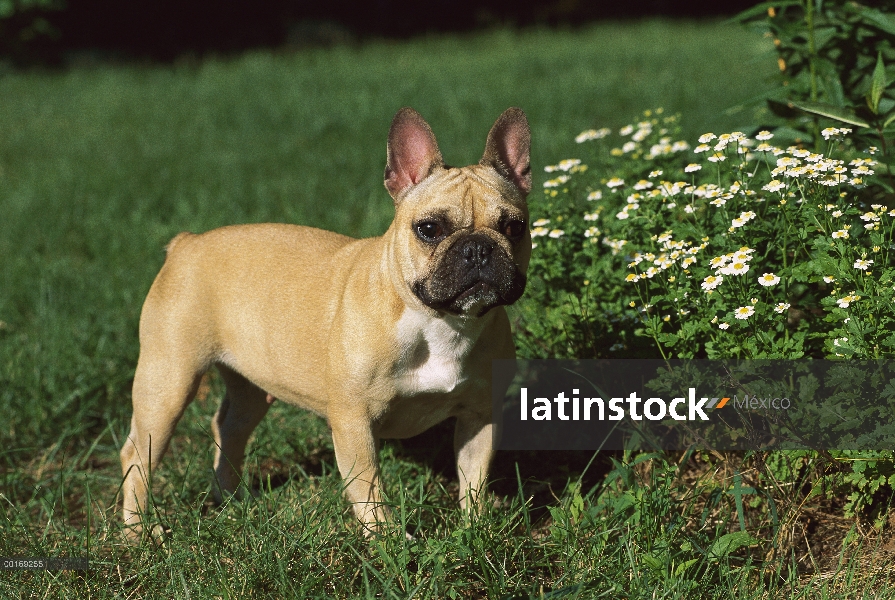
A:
x: 384, y: 337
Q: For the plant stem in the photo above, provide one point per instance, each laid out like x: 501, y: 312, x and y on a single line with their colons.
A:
x: 812, y: 54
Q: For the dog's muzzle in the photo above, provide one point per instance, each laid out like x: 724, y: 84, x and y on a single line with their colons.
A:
x: 473, y: 276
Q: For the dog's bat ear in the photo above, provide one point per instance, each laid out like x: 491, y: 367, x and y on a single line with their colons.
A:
x: 508, y: 148
x: 412, y: 152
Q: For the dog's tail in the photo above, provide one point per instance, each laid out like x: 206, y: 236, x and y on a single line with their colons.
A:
x: 176, y: 240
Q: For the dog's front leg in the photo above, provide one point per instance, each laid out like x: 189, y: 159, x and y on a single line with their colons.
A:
x: 357, y: 455
x: 474, y: 442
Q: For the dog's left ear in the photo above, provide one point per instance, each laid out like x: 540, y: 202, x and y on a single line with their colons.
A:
x: 508, y: 148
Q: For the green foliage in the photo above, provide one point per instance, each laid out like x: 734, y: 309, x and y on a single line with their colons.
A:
x: 867, y: 483
x: 837, y: 63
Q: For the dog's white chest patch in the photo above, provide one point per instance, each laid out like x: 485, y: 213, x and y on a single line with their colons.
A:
x: 433, y: 352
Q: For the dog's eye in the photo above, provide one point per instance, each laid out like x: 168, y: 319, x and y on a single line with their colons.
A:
x: 514, y: 228
x: 429, y: 231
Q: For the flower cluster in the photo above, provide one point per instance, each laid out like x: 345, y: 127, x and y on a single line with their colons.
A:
x: 833, y: 132
x: 790, y: 239
x: 640, y: 133
x: 540, y: 229
x: 845, y: 301
x: 798, y: 163
x: 671, y: 252
x: 733, y: 263
x: 592, y: 134
x: 568, y: 167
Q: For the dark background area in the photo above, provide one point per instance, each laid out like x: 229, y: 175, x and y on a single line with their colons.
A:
x: 163, y: 30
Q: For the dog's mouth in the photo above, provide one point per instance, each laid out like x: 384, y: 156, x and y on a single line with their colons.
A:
x: 473, y: 300
x: 480, y: 288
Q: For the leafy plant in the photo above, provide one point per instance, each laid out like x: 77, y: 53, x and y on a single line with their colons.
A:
x: 837, y: 63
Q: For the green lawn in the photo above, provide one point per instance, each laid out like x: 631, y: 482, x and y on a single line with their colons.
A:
x: 100, y: 166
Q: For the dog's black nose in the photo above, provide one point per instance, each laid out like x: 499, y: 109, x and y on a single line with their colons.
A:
x: 476, y: 252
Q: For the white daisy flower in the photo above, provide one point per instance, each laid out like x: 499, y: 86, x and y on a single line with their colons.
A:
x: 615, y: 182
x: 711, y: 282
x: 744, y: 312
x: 768, y: 279
x: 735, y: 268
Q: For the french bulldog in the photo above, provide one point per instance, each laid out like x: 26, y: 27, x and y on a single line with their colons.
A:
x: 384, y: 337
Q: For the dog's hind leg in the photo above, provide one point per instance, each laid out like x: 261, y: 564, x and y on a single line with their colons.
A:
x: 243, y: 407
x: 161, y: 393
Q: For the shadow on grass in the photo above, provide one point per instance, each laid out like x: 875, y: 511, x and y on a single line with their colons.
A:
x: 544, y: 475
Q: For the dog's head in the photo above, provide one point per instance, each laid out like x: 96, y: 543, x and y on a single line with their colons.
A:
x: 460, y: 239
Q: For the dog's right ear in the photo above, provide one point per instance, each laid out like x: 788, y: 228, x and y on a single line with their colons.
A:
x: 412, y: 152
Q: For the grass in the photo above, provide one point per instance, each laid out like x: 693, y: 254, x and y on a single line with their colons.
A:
x: 101, y: 166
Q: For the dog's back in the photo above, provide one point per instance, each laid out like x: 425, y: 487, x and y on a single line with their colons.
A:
x: 241, y: 295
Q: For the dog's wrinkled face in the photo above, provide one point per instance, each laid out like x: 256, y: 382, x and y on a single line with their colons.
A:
x: 469, y: 245
x: 461, y: 239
